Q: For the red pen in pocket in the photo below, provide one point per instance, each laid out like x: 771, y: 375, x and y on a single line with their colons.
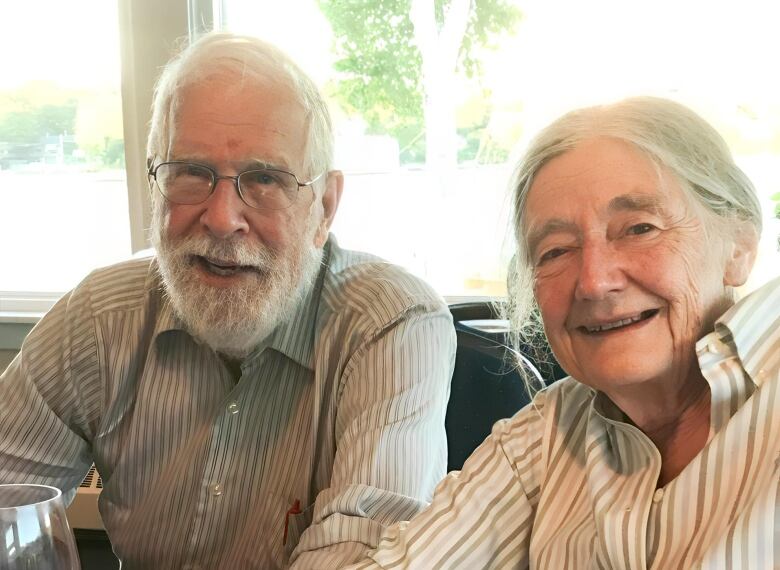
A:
x: 294, y: 510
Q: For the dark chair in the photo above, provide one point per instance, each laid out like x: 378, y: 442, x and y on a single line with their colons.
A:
x: 95, y: 550
x: 486, y: 385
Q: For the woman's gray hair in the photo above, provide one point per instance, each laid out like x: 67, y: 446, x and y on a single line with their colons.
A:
x: 250, y: 60
x: 672, y: 136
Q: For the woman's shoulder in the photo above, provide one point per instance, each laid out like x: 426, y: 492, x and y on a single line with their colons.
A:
x: 564, y: 395
x: 553, y: 412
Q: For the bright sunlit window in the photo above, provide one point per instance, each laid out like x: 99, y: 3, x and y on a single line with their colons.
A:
x: 431, y: 99
x: 63, y: 195
x: 431, y: 103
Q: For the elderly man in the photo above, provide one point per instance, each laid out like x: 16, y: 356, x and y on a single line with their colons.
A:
x: 253, y: 396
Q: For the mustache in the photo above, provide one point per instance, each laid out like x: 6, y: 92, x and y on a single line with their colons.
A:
x: 233, y: 251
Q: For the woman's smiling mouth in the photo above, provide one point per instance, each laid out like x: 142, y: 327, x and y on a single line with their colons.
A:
x: 618, y: 324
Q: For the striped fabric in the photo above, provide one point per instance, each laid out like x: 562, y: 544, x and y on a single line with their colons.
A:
x: 568, y: 484
x: 334, y: 430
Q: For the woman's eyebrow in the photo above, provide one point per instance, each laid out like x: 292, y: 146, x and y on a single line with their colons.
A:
x: 551, y: 226
x: 637, y: 202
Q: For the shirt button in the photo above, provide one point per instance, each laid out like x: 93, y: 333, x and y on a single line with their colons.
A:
x: 712, y: 347
x: 232, y: 408
x: 658, y: 495
x: 215, y: 489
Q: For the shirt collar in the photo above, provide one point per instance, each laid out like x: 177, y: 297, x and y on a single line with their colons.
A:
x: 161, y: 305
x: 752, y: 327
x: 744, y: 332
x: 606, y: 408
x: 295, y: 337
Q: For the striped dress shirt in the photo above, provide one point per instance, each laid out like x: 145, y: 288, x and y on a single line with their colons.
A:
x: 334, y: 430
x: 567, y: 483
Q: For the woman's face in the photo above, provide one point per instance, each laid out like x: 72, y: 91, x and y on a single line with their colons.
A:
x: 626, y: 277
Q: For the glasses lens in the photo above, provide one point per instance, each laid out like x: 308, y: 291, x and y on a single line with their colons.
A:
x: 268, y: 189
x: 184, y: 183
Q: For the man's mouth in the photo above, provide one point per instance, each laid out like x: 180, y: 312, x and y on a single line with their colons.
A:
x: 222, y: 267
x: 619, y: 324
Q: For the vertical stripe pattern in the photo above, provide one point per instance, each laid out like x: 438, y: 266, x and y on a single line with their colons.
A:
x: 568, y: 484
x: 340, y: 412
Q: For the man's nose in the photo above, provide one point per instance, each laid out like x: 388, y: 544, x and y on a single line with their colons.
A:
x: 225, y: 213
x: 601, y: 272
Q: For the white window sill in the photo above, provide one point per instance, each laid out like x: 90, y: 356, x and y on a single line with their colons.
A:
x: 17, y: 307
x: 22, y: 317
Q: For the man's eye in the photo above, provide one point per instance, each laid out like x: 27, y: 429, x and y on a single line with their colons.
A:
x: 260, y: 178
x: 551, y: 254
x: 639, y: 229
x: 189, y: 173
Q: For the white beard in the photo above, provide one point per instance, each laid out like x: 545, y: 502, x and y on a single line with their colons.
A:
x: 234, y: 320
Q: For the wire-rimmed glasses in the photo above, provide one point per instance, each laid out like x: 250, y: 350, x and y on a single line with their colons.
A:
x: 260, y: 188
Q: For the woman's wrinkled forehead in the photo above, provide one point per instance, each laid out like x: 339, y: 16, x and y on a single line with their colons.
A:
x: 605, y: 174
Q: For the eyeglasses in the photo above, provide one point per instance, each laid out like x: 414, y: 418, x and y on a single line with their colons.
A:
x: 262, y: 188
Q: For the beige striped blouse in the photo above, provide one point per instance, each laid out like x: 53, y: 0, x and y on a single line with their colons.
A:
x: 340, y: 413
x: 567, y: 484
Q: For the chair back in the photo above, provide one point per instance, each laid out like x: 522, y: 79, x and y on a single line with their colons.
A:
x: 486, y: 384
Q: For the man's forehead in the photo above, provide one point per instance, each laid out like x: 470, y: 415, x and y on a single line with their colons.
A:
x: 213, y: 93
x: 229, y: 81
x: 244, y: 122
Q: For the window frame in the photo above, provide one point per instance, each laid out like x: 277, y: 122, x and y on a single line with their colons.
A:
x: 148, y: 36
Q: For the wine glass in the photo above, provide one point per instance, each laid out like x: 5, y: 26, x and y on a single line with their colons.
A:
x: 34, y: 532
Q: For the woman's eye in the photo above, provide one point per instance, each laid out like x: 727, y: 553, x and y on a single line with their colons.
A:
x: 639, y: 229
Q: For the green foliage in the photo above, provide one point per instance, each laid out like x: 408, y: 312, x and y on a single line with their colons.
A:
x: 487, y: 23
x: 380, y: 67
x: 108, y: 154
x: 776, y: 199
x: 31, y: 112
x: 32, y: 124
x: 114, y: 153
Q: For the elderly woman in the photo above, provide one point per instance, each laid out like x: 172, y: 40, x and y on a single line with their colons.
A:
x: 662, y: 449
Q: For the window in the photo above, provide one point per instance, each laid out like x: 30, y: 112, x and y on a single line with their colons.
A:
x: 428, y: 190
x: 425, y: 183
x: 63, y: 190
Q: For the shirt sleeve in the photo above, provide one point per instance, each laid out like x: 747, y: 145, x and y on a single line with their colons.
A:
x: 480, y: 518
x: 390, y: 437
x: 44, y: 417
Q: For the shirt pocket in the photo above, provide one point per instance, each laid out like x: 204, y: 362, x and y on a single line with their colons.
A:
x: 297, y: 519
x: 273, y: 528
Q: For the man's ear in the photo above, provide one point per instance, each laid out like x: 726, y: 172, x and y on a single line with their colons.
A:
x: 331, y: 196
x: 742, y: 254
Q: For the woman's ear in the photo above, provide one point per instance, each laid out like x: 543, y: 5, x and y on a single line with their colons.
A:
x: 741, y: 256
x: 331, y: 196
